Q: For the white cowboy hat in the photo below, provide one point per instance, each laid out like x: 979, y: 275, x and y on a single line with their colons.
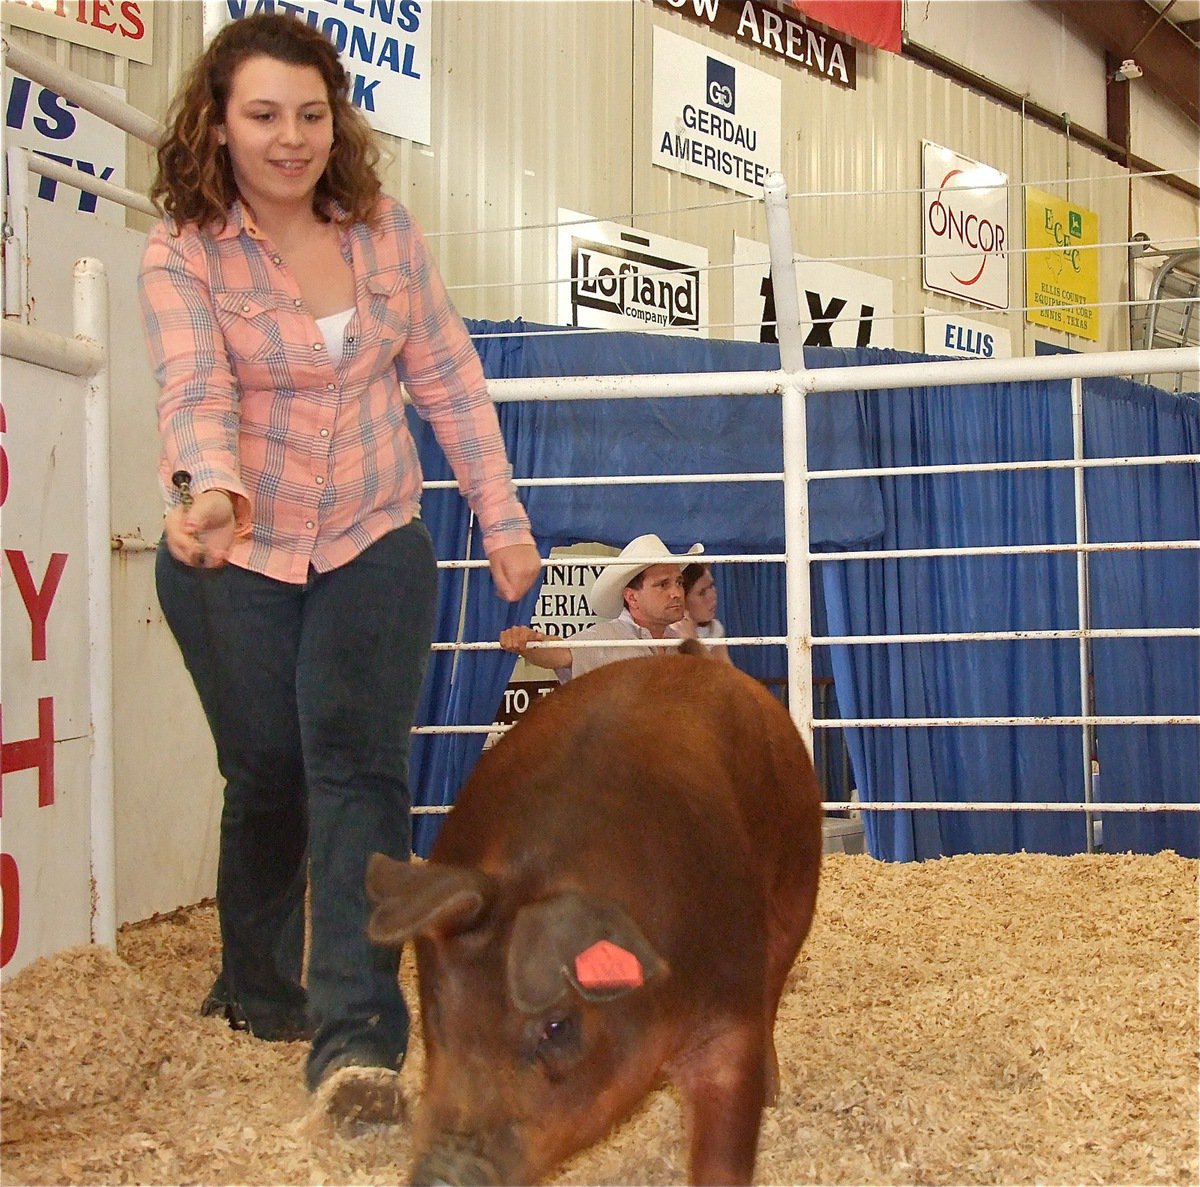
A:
x: 605, y: 598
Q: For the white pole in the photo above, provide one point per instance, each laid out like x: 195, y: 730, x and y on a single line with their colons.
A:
x: 91, y: 322
x: 16, y: 235
x: 1083, y: 596
x: 87, y: 94
x: 798, y: 570
x: 872, y: 377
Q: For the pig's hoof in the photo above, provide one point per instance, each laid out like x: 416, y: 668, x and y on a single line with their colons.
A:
x: 354, y: 1097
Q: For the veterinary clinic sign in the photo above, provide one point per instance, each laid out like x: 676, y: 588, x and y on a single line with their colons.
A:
x: 713, y: 118
x: 964, y: 227
x: 777, y: 31
x: 386, y: 47
x: 1062, y: 275
x: 121, y: 27
x: 622, y: 279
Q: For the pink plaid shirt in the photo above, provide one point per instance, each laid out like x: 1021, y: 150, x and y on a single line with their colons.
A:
x: 320, y: 453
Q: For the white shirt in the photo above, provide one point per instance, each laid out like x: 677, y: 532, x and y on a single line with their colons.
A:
x: 333, y: 330
x: 619, y: 629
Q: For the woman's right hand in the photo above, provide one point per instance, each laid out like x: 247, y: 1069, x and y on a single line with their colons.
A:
x: 201, y: 535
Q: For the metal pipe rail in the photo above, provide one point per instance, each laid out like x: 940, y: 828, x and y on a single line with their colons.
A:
x: 87, y: 94
x: 876, y: 376
x: 68, y: 175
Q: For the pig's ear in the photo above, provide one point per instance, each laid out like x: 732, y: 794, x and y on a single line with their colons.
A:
x: 421, y: 899
x: 575, y: 941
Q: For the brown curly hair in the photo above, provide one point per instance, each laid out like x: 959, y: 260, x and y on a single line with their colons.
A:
x: 195, y: 182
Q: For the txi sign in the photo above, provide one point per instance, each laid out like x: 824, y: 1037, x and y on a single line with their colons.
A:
x: 964, y: 227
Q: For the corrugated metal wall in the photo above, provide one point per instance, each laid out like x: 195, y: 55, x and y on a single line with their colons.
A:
x: 542, y: 106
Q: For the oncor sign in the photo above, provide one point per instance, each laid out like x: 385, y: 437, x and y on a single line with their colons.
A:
x: 964, y: 227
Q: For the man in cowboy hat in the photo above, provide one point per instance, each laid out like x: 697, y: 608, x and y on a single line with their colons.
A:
x: 637, y: 599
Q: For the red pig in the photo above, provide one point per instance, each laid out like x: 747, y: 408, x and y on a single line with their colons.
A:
x: 618, y: 896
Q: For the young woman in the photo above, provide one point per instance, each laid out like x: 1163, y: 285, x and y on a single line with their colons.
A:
x: 286, y: 300
x: 700, y: 604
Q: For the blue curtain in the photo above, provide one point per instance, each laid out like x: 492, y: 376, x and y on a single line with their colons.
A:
x: 936, y: 425
x: 1150, y: 589
x: 932, y: 426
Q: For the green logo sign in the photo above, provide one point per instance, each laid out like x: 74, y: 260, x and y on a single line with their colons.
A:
x: 1074, y: 223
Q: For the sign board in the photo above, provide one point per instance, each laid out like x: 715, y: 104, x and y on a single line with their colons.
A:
x: 45, y: 741
x: 386, y: 49
x: 779, y: 31
x: 712, y: 117
x: 562, y: 610
x: 962, y: 338
x: 121, y: 27
x: 839, y: 306
x: 964, y: 227
x: 622, y: 279
x: 42, y: 121
x: 1062, y: 271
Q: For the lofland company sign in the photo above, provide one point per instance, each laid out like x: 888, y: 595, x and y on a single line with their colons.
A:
x: 624, y: 279
x: 964, y: 227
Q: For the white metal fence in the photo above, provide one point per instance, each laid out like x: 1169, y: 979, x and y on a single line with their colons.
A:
x: 791, y: 384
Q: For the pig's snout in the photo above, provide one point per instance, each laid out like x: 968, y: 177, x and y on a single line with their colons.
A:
x: 452, y: 1167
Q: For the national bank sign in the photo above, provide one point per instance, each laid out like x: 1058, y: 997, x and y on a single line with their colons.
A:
x: 713, y: 118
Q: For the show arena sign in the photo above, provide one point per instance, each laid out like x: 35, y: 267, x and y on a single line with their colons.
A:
x: 777, y: 32
x: 964, y: 227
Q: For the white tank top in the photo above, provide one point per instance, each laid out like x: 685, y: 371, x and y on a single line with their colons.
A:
x: 333, y: 330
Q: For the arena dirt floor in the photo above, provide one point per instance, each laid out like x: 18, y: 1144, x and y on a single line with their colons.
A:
x: 1018, y: 1020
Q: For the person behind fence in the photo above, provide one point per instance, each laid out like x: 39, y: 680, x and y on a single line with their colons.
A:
x: 636, y: 599
x: 700, y: 606
x: 285, y: 301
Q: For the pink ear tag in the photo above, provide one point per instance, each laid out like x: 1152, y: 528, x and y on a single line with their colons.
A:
x: 605, y: 966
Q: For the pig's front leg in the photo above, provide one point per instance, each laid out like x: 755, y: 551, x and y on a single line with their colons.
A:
x: 723, y: 1085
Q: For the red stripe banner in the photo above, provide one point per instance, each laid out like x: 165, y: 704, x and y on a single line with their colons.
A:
x: 876, y: 22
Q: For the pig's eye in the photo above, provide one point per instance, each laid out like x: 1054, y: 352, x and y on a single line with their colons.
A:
x: 558, y: 1044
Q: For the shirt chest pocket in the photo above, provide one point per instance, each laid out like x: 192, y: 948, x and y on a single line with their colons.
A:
x: 250, y: 326
x: 388, y: 294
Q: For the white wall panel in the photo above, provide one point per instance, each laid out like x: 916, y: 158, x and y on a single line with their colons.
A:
x: 1023, y: 48
x: 530, y: 113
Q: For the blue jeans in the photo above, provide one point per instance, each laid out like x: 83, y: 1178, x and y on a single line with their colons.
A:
x: 310, y: 692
